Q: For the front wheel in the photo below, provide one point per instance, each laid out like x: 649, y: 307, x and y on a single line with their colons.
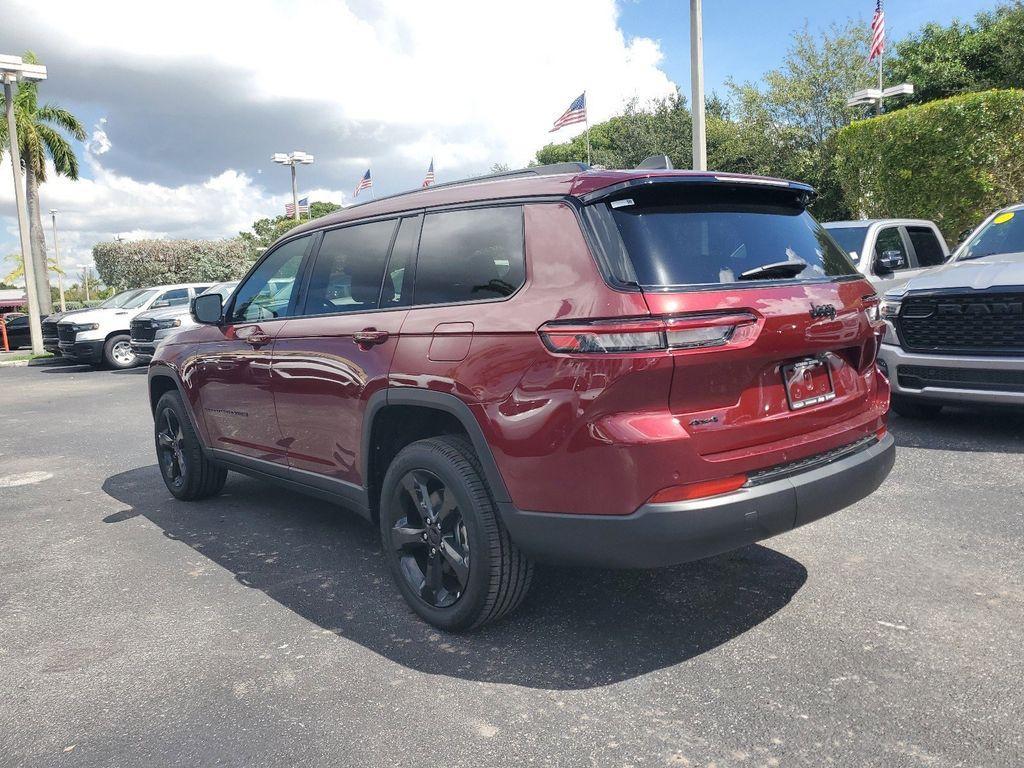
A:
x: 445, y: 546
x: 118, y: 354
x: 186, y: 471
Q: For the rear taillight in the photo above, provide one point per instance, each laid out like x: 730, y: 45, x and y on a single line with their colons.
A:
x: 694, y: 331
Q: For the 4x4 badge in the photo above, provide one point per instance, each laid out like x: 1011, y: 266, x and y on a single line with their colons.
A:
x: 823, y: 310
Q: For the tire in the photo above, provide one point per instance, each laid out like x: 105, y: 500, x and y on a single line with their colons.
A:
x: 465, y: 530
x: 186, y: 471
x: 114, y: 355
x: 915, y: 409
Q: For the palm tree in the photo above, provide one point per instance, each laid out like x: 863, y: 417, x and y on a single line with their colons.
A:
x: 18, y: 272
x: 39, y: 137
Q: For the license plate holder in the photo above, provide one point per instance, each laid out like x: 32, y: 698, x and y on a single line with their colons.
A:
x: 808, y: 382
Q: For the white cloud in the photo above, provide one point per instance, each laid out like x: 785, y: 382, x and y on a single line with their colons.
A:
x: 98, y: 143
x: 468, y: 83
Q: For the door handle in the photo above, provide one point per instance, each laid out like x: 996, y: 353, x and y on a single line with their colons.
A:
x: 257, y: 339
x: 367, y: 337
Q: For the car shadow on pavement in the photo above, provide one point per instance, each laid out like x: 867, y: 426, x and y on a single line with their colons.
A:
x: 962, y: 429
x: 577, y: 629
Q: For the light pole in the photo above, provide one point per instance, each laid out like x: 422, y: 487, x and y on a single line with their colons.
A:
x: 13, y: 69
x: 293, y: 159
x: 85, y: 278
x: 56, y: 258
x: 700, y: 148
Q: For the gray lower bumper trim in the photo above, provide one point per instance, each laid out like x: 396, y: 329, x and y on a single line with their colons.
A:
x: 667, y: 534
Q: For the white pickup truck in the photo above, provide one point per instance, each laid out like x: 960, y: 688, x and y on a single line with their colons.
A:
x: 888, y: 252
x: 102, y: 335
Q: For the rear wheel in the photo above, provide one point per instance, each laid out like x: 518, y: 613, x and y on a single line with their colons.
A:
x: 915, y: 409
x: 187, y: 473
x: 449, y: 553
x: 118, y: 354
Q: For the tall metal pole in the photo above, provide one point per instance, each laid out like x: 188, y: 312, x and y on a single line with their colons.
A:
x: 35, y: 330
x: 700, y: 149
x: 56, y: 258
x: 295, y: 193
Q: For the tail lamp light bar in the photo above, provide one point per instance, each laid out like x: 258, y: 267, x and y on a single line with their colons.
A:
x: 643, y: 334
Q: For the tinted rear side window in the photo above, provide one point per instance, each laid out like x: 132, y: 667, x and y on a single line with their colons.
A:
x: 713, y: 234
x: 926, y: 246
x: 470, y: 255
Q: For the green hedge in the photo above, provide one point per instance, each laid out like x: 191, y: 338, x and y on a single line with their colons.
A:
x: 140, y: 263
x: 953, y: 160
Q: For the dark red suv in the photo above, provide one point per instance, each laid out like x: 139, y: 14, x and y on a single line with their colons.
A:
x: 612, y: 368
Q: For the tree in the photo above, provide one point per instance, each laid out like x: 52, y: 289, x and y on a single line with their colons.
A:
x: 18, y: 273
x: 943, y: 61
x: 787, y: 127
x: 39, y: 136
x: 266, y: 231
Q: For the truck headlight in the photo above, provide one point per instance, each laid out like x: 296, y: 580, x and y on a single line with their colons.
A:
x: 171, y: 323
x: 85, y: 327
x: 890, y: 308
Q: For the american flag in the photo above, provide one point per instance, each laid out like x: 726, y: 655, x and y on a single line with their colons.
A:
x: 576, y: 113
x: 289, y: 208
x: 364, y: 183
x: 877, y: 32
x: 429, y: 178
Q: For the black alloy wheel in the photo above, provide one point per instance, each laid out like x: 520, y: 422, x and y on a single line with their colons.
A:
x: 170, y: 442
x: 431, y: 539
x: 445, y: 545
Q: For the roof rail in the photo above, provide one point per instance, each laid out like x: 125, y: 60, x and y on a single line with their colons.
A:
x: 535, y: 170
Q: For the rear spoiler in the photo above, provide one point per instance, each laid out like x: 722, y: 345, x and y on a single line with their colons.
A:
x: 804, y: 193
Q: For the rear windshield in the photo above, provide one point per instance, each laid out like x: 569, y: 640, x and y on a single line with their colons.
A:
x: 850, y: 239
x: 713, y: 234
x: 1003, y: 234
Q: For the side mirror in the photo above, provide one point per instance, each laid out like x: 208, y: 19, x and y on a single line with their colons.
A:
x: 207, y: 309
x: 889, y: 261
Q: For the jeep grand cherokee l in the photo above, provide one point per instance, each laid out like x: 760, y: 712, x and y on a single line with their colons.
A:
x: 613, y: 368
x: 956, y: 335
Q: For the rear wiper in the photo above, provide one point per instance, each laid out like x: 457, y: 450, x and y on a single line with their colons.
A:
x: 778, y: 269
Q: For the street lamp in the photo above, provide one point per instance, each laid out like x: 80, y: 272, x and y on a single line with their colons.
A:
x: 877, y: 95
x: 292, y: 159
x: 56, y: 258
x: 12, y: 70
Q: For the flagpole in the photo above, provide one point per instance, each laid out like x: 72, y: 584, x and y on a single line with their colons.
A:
x: 586, y: 122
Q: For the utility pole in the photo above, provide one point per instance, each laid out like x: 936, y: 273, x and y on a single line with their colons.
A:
x: 56, y: 259
x: 700, y: 149
x: 12, y: 69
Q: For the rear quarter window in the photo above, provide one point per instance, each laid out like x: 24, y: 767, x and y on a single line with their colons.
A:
x: 705, y: 234
x: 470, y: 255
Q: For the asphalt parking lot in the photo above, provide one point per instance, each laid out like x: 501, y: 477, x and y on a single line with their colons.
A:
x: 260, y: 628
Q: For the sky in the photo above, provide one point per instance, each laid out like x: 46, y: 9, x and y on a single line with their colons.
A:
x: 185, y: 102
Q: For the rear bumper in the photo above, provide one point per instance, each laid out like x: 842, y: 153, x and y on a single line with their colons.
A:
x: 955, y: 379
x: 83, y: 351
x: 667, y: 534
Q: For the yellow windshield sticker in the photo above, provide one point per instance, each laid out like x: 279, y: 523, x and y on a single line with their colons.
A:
x: 1002, y: 218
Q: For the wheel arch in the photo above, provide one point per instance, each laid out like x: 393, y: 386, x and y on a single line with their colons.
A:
x: 163, y: 379
x: 440, y: 413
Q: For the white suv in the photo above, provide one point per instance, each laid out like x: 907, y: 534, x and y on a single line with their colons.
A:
x: 102, y: 335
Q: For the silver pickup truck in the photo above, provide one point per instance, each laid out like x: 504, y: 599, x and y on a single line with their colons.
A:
x: 888, y: 252
x: 956, y: 333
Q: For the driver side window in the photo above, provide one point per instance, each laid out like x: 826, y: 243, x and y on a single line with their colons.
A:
x: 267, y: 294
